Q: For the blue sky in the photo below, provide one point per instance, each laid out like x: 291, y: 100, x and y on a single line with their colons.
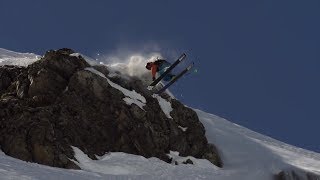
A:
x: 258, y: 62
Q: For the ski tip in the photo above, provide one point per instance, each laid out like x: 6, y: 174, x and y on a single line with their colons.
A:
x: 190, y: 66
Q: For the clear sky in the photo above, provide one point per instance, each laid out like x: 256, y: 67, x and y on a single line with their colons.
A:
x: 258, y: 61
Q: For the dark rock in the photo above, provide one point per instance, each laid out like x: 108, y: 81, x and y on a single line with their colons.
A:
x: 42, y: 154
x: 45, y: 82
x: 22, y: 87
x: 60, y: 62
x: 188, y: 161
x: 8, y: 74
x: 103, y: 69
x: 16, y: 146
x: 211, y: 153
x: 297, y: 174
x: 5, y: 80
x: 55, y: 103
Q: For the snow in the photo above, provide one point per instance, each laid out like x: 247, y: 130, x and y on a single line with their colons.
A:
x: 252, y: 155
x: 132, y: 97
x: 164, y: 104
x: 245, y: 154
x: 138, y: 167
x: 130, y: 100
x: 89, y: 60
x: 18, y: 59
x: 184, y: 129
x: 75, y: 54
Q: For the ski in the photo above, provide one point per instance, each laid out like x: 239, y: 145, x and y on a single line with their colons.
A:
x: 175, y: 78
x: 155, y: 82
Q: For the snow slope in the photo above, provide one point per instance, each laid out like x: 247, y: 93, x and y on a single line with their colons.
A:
x: 246, y: 155
x: 19, y: 59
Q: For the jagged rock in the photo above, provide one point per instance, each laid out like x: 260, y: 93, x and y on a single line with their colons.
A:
x: 22, y: 87
x: 60, y: 62
x: 5, y: 80
x: 51, y: 74
x: 8, y: 74
x: 42, y: 83
x: 55, y: 103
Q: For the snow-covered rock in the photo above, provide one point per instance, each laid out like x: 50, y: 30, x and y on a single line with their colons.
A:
x: 62, y: 101
x: 17, y: 59
x: 165, y: 105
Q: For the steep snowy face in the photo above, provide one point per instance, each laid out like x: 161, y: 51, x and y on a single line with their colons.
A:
x: 250, y: 155
x: 17, y: 59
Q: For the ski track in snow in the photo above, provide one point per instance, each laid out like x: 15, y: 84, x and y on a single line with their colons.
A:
x: 246, y: 155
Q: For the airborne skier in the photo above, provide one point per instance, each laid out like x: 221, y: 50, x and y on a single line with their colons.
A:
x: 159, y: 66
x: 164, y: 68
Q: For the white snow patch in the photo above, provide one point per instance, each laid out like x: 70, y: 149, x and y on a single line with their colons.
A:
x: 105, y: 165
x: 184, y: 129
x: 8, y: 57
x: 130, y: 101
x: 135, y: 97
x: 164, y: 104
x: 138, y: 167
x: 75, y: 55
x: 131, y: 96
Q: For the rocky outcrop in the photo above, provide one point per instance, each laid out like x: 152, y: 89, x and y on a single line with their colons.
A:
x: 55, y: 103
x: 296, y: 175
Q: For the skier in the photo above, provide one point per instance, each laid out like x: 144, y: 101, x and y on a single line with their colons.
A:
x: 159, y: 66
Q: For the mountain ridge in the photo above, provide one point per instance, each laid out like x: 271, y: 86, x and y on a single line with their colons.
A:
x: 245, y: 154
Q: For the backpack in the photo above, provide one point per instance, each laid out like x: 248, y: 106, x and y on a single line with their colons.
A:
x: 160, y: 61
